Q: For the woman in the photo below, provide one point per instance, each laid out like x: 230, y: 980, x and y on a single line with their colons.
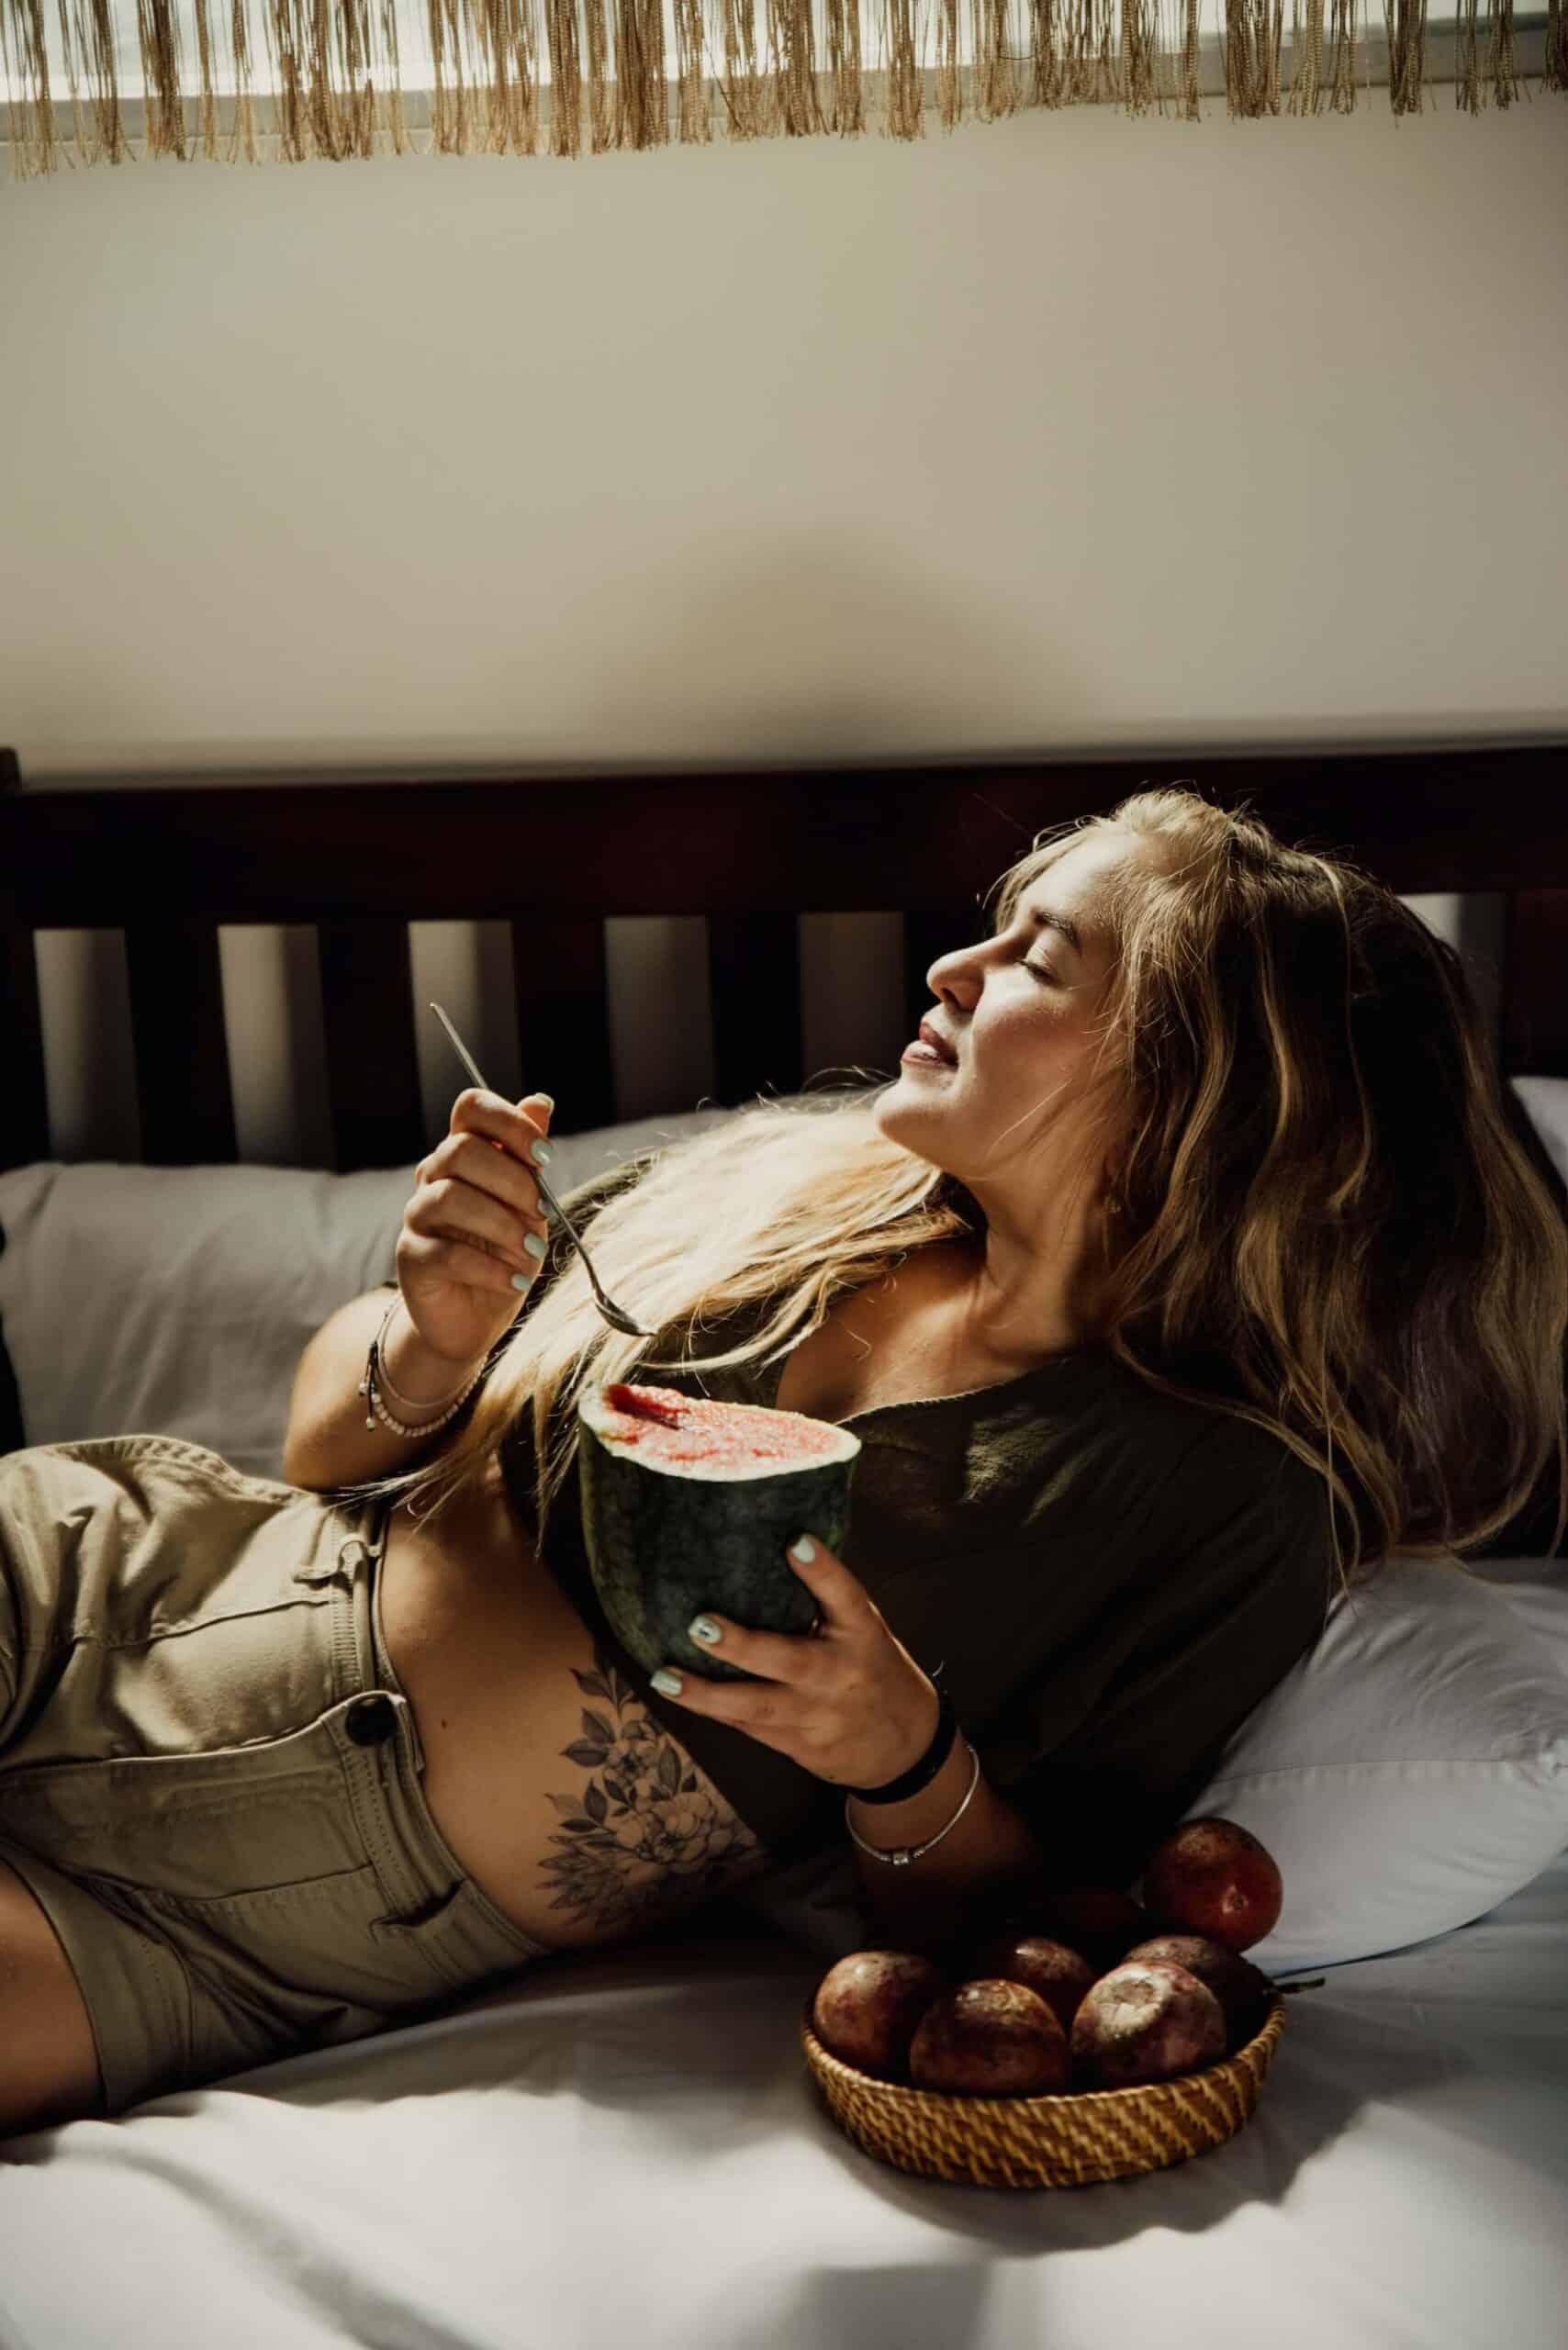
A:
x: 1207, y: 1246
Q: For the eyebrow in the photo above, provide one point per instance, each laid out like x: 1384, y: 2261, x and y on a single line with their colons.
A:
x: 1043, y: 918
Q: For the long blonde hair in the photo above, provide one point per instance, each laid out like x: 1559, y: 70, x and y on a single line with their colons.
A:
x: 1319, y: 1220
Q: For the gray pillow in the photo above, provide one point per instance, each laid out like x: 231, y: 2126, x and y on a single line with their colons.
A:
x: 177, y: 1301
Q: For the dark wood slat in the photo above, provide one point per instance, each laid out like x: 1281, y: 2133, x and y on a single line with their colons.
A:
x: 373, y: 1073
x: 753, y: 981
x: 181, y: 1048
x: 13, y: 1430
x: 23, y: 1095
x: 927, y: 935
x: 739, y: 841
x: 563, y: 1017
x: 1533, y: 1015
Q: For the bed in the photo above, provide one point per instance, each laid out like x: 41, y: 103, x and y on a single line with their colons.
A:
x: 627, y: 2144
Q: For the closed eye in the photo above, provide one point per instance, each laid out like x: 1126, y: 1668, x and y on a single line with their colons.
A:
x: 1041, y: 971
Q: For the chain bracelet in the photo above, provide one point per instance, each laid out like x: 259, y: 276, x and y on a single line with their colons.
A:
x: 903, y: 1854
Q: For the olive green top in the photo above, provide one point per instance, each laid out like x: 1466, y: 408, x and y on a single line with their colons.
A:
x: 1107, y: 1581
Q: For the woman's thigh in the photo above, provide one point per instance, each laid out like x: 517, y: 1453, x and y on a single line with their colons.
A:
x: 48, y: 2055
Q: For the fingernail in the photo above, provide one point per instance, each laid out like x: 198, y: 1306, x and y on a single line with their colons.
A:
x: 804, y: 1549
x: 667, y: 1683
x: 541, y: 1153
x: 534, y: 1246
x: 548, y: 1100
x: 523, y: 1280
x: 702, y: 1627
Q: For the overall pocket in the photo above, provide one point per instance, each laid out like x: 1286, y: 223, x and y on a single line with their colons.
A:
x: 153, y: 1600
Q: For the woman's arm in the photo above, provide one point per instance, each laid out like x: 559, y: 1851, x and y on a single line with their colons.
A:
x: 919, y: 1904
x: 328, y: 1443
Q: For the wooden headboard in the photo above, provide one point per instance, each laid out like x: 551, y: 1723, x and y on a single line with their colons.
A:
x: 750, y: 848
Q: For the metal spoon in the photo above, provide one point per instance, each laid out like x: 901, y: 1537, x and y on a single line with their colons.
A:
x: 607, y: 1306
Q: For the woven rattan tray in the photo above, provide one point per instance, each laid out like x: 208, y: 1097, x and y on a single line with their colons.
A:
x: 1061, y: 2141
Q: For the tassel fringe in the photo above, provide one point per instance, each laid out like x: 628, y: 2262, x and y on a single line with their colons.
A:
x: 339, y: 92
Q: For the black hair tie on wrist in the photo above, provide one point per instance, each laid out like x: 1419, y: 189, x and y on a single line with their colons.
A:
x: 920, y: 1774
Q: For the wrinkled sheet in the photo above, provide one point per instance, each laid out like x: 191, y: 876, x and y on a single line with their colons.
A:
x: 627, y: 2147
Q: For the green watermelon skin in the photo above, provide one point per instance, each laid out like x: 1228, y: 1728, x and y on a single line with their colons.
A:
x: 663, y: 1546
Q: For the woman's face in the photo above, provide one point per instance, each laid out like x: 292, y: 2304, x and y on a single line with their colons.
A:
x: 1019, y: 1010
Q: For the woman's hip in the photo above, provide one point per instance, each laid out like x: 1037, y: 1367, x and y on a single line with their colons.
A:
x: 195, y: 1734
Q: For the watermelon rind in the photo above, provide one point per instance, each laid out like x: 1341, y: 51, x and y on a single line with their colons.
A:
x: 665, y: 1544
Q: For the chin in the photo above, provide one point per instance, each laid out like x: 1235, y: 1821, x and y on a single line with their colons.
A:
x: 897, y: 1114
x: 899, y: 1105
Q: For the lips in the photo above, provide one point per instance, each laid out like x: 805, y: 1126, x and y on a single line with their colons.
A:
x: 938, y: 1043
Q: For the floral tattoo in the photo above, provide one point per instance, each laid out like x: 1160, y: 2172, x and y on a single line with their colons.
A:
x: 648, y: 1835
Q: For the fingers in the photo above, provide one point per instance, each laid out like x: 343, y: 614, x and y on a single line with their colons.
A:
x: 844, y: 1600
x: 515, y: 1129
x: 492, y: 1145
x: 792, y: 1658
x: 850, y: 1706
x: 763, y: 1710
x: 476, y: 1194
x: 449, y: 1210
x: 459, y: 1260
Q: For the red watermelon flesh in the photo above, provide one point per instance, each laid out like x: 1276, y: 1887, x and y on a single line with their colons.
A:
x: 728, y: 1435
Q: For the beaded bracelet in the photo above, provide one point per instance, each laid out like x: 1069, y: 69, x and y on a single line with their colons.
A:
x: 375, y: 1371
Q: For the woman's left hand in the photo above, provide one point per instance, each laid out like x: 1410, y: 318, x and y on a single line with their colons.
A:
x: 847, y: 1701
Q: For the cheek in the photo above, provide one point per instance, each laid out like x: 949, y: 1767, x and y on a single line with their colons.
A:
x: 1029, y: 1058
x: 1042, y: 1036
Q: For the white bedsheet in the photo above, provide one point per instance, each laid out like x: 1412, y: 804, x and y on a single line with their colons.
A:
x: 627, y: 2149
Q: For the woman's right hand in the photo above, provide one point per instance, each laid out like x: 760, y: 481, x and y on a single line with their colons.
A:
x: 475, y: 1201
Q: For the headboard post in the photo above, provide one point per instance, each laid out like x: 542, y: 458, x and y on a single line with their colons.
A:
x: 24, y: 1097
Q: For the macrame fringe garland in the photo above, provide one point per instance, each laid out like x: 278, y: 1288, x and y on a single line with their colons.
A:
x: 338, y: 93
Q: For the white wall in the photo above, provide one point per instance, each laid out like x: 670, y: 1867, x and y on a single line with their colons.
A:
x: 1066, y: 433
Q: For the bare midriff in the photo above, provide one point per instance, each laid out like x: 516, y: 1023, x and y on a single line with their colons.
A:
x: 527, y: 1727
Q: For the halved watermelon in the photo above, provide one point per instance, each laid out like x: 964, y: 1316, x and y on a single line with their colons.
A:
x: 690, y: 1504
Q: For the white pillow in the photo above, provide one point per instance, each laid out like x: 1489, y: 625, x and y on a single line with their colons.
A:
x: 1412, y: 1771
x: 1409, y: 1775
x: 177, y: 1301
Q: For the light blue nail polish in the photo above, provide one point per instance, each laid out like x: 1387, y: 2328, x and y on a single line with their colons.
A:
x: 804, y: 1549
x: 534, y: 1246
x: 667, y: 1683
x: 523, y: 1280
x: 702, y: 1627
x: 541, y: 1154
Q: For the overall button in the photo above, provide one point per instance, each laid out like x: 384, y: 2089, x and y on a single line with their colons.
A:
x: 372, y: 1720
